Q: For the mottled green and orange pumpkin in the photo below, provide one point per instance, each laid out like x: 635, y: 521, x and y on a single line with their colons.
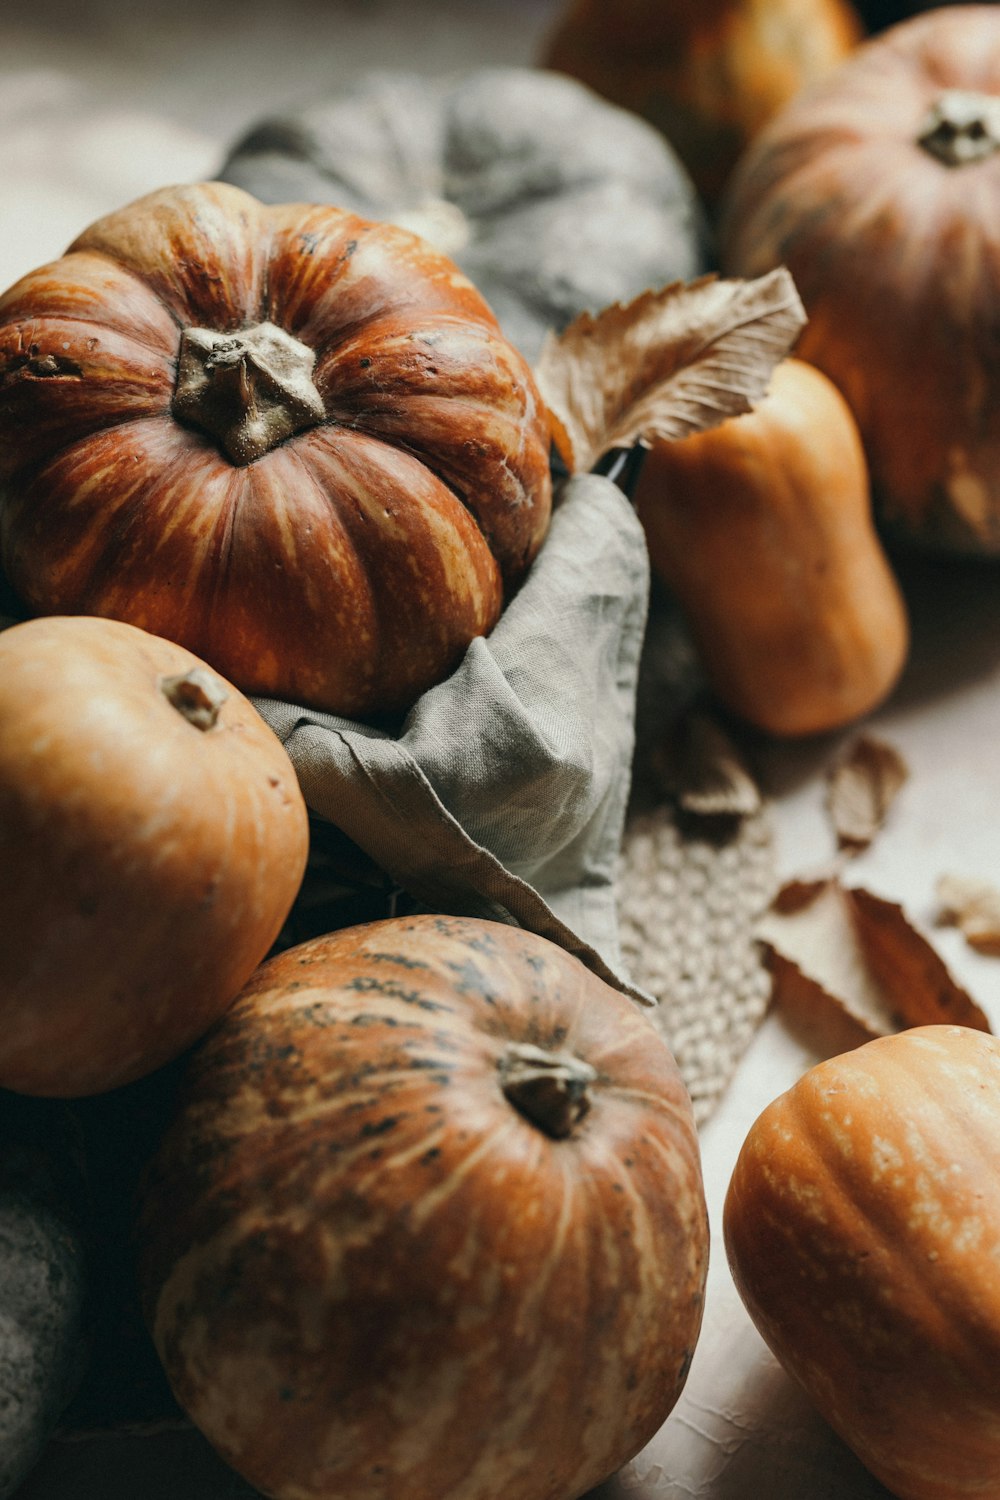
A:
x: 429, y: 1221
x: 293, y: 440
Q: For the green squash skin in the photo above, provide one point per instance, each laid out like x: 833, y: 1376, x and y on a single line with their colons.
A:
x: 552, y: 201
x: 44, y: 1281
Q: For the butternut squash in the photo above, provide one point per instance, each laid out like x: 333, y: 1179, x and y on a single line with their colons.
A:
x: 762, y: 528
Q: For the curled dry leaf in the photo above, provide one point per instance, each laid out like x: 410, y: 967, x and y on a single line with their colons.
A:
x: 849, y: 966
x: 861, y: 788
x: 670, y: 363
x: 699, y: 765
x: 974, y: 907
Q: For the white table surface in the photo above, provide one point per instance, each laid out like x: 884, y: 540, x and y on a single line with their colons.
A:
x: 99, y: 103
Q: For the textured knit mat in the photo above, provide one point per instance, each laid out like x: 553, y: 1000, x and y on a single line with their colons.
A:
x: 691, y: 888
x: 688, y: 902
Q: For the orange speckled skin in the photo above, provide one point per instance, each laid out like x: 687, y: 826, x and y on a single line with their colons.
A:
x: 348, y: 567
x: 863, y: 1228
x: 146, y: 865
x: 709, y: 74
x: 370, y: 1277
x: 897, y: 259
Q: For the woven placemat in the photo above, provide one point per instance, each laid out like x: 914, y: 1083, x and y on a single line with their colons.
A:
x: 689, y: 901
x: 691, y: 888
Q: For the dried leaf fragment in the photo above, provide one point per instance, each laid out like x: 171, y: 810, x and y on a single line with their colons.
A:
x: 700, y: 766
x: 670, y: 363
x: 861, y: 789
x: 974, y: 906
x: 848, y: 966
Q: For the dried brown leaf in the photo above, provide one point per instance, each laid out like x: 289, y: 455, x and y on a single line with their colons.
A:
x: 861, y: 789
x: 910, y: 971
x: 818, y: 1018
x: 699, y: 765
x: 848, y: 964
x: 974, y: 906
x: 670, y: 363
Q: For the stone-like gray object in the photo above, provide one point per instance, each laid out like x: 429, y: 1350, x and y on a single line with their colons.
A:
x: 552, y: 201
x: 42, y: 1298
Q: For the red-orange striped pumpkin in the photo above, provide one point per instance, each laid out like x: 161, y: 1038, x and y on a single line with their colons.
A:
x: 290, y: 439
x: 429, y: 1222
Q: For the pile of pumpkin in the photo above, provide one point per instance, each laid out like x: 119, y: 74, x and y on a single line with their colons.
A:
x: 428, y: 1220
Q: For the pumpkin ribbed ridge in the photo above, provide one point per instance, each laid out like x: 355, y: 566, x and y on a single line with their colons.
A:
x: 369, y: 1274
x: 134, y: 492
x: 863, y: 1229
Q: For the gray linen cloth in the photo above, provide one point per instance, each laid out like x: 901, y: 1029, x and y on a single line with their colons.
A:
x: 504, y: 793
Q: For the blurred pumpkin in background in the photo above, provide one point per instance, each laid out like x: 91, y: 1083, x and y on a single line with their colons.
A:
x: 708, y: 73
x: 879, y: 189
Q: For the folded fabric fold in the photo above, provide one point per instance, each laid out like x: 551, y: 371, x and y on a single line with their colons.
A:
x: 504, y: 793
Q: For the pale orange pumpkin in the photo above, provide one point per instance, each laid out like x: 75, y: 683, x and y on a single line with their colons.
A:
x: 863, y: 1229
x: 762, y: 528
x: 290, y: 439
x: 429, y: 1221
x: 152, y: 840
x: 879, y: 189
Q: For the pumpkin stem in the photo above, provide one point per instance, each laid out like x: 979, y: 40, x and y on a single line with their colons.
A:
x: 250, y: 390
x: 961, y: 126
x: 549, y: 1088
x: 195, y: 694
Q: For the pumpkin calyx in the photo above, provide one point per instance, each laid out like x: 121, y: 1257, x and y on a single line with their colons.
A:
x: 250, y: 390
x: 196, y: 695
x: 548, y: 1088
x: 961, y: 126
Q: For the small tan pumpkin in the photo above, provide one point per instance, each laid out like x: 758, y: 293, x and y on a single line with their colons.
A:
x: 879, y: 189
x: 863, y: 1229
x: 708, y: 74
x: 292, y: 440
x: 429, y: 1221
x: 152, y: 840
x: 762, y: 528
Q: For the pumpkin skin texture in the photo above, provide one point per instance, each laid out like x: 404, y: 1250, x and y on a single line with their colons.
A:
x: 369, y: 1274
x: 862, y: 1224
x: 709, y: 74
x: 550, y: 199
x: 895, y: 253
x: 287, y: 438
x: 146, y: 863
x: 762, y: 529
